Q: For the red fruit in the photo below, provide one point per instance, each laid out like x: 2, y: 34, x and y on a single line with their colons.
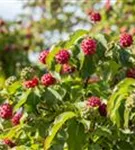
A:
x: 31, y: 83
x: 48, y: 79
x: 89, y: 46
x: 95, y: 16
x: 6, y: 111
x: 102, y: 109
x: 16, y: 118
x: 66, y: 68
x: 9, y: 143
x: 126, y: 40
x: 130, y: 73
x: 62, y: 57
x: 94, y: 101
x: 42, y: 56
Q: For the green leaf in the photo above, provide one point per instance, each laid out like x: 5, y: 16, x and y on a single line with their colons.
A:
x: 123, y: 145
x: 11, y: 133
x: 49, y: 98
x: 109, y: 69
x: 59, y: 121
x: 32, y: 100
x: 2, y: 79
x: 55, y: 93
x: 101, y: 39
x: 94, y: 147
x: 101, y: 46
x: 21, y: 147
x: 22, y: 100
x: 77, y: 136
x: 87, y: 66
x: 12, y: 88
x: 116, y: 104
x: 125, y: 57
x: 50, y: 61
x: 126, y: 117
x: 75, y: 37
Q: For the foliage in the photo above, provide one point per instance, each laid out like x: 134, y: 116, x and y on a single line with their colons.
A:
x: 58, y: 117
x: 58, y: 114
x: 53, y: 21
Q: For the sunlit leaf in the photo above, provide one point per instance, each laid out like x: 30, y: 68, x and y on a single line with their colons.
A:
x: 59, y: 121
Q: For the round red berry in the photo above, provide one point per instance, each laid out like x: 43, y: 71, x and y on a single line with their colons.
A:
x: 126, y: 40
x: 48, y: 79
x: 31, y: 83
x: 66, y: 68
x: 62, y: 57
x: 6, y: 111
x: 89, y: 46
x: 95, y: 16
x: 130, y: 73
x: 102, y: 109
x: 9, y: 143
x: 42, y: 56
x: 94, y: 101
x: 16, y: 118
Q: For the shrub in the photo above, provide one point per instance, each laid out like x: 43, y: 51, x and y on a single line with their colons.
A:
x: 92, y: 108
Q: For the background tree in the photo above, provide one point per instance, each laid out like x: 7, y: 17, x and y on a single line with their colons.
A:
x: 49, y: 21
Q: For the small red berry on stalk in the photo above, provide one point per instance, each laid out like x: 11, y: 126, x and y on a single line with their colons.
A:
x: 6, y: 111
x: 130, y: 73
x: 95, y: 16
x: 48, y: 79
x: 42, y: 56
x: 16, y: 118
x: 102, y: 109
x: 9, y: 143
x: 94, y: 101
x: 66, y: 69
x: 62, y: 57
x: 126, y: 40
x: 88, y: 46
x: 31, y: 83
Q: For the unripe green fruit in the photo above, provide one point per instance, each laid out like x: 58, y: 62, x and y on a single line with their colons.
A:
x: 27, y: 73
x: 10, y: 80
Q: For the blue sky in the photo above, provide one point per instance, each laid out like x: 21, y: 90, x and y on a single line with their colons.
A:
x: 9, y: 9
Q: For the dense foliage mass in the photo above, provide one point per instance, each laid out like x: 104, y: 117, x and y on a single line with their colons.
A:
x: 80, y: 95
x: 85, y: 100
